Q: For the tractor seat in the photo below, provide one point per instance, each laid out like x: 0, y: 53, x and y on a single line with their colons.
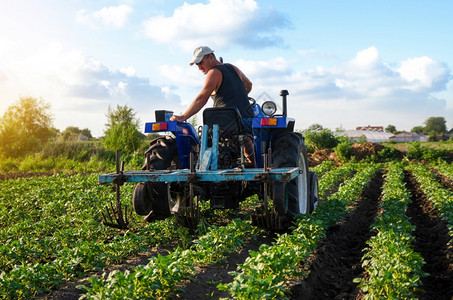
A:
x: 228, y: 119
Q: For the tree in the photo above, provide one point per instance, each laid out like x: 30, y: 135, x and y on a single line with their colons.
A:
x: 317, y: 137
x: 391, y: 129
x: 72, y: 133
x: 315, y: 127
x: 122, y: 115
x: 86, y: 132
x: 26, y: 125
x: 122, y: 130
x: 435, y: 125
x: 418, y: 129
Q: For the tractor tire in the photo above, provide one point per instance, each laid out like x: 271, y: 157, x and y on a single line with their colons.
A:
x: 292, y: 198
x: 314, y: 191
x: 153, y: 199
x: 140, y: 200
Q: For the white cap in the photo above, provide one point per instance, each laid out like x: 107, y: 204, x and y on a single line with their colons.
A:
x: 199, y: 52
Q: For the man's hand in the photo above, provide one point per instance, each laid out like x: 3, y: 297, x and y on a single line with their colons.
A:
x: 177, y: 118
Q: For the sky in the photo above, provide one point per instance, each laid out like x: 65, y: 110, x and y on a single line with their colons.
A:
x: 344, y: 63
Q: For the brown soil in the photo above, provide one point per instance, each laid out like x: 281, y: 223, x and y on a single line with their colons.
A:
x: 319, y: 156
x: 359, y: 151
x: 14, y: 175
x: 69, y: 291
x: 204, y: 285
x: 338, y: 259
x: 431, y: 238
x: 362, y: 151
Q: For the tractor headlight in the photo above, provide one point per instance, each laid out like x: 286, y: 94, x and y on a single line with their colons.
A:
x: 269, y: 108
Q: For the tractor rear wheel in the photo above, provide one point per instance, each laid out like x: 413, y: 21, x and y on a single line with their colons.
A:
x: 292, y: 198
x: 151, y: 198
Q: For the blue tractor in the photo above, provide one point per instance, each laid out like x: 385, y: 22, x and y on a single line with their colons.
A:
x: 186, y: 166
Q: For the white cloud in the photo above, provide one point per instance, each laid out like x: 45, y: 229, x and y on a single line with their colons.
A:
x: 79, y: 88
x: 110, y: 17
x: 422, y: 73
x: 356, y: 92
x: 219, y: 23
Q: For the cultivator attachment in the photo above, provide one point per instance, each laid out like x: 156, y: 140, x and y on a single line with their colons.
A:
x: 114, y: 215
x: 186, y: 210
x: 189, y: 215
x: 265, y: 216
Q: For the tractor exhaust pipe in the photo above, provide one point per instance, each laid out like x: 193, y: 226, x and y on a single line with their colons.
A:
x: 284, y: 93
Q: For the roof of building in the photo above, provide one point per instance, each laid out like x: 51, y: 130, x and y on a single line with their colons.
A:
x: 371, y: 136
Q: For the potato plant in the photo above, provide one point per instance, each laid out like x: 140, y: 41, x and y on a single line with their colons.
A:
x: 394, y: 269
x: 51, y: 232
x: 265, y: 273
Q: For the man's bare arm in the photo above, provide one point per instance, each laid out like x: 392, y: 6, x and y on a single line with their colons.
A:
x: 212, y: 82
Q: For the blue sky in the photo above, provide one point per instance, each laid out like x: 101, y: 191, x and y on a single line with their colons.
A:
x: 345, y: 63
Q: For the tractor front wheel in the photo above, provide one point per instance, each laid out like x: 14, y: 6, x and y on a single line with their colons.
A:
x: 151, y: 198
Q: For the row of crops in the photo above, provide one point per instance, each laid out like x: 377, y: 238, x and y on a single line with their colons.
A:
x: 51, y: 232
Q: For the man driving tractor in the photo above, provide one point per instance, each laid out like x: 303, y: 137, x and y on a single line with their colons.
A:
x: 228, y: 87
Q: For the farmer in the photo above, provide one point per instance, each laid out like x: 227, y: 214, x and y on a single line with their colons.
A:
x: 227, y: 86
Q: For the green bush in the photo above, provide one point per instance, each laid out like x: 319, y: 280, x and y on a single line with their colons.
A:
x: 415, y: 150
x: 418, y: 152
x: 123, y: 137
x: 343, y: 151
x: 388, y: 153
x: 320, y: 139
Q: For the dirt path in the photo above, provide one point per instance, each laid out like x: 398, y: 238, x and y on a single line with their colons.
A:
x: 338, y: 260
x: 431, y: 238
x: 69, y: 290
x: 204, y: 285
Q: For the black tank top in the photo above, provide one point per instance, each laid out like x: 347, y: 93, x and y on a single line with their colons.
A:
x: 232, y: 92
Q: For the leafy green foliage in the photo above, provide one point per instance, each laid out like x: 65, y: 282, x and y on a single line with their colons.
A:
x: 333, y: 178
x: 441, y: 197
x: 343, y: 151
x: 391, y: 129
x: 51, y: 231
x: 444, y: 168
x: 394, y: 268
x: 163, y: 274
x: 265, y: 273
x: 436, y: 124
x: 25, y: 126
x: 122, y: 130
x: 319, y: 138
x: 419, y: 152
x: 323, y: 168
x: 124, y: 137
x: 74, y: 133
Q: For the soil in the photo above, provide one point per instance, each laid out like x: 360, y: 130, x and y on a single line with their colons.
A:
x: 69, y: 291
x: 14, y: 175
x: 431, y: 238
x: 338, y: 259
x: 319, y: 156
x: 204, y: 285
x: 359, y: 151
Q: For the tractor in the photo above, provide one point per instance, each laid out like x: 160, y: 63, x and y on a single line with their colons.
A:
x: 186, y: 166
